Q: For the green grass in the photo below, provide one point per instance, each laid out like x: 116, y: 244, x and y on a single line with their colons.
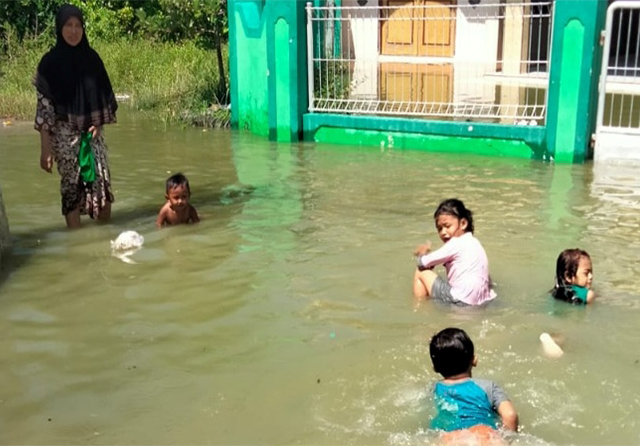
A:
x: 167, y: 79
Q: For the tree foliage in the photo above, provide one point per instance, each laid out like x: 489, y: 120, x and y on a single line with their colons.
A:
x: 203, y: 21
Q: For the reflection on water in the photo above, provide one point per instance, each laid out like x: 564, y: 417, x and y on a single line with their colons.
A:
x: 286, y: 315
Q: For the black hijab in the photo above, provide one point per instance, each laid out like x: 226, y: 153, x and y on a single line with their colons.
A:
x: 75, y: 79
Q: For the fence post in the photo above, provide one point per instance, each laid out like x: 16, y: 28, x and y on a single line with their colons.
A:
x: 287, y: 68
x: 248, y: 66
x: 310, y: 80
x: 268, y: 67
x: 576, y: 56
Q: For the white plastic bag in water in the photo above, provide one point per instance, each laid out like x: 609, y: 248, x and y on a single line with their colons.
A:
x: 127, y: 243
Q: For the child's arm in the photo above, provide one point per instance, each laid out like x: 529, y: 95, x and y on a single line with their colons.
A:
x: 591, y: 296
x: 503, y: 405
x: 194, y: 215
x: 509, y: 416
x: 439, y: 256
x: 161, y: 217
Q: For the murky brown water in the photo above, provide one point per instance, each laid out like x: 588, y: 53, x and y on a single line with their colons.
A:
x: 286, y: 316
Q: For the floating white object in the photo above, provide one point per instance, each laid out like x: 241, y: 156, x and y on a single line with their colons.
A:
x: 127, y: 243
x: 549, y: 346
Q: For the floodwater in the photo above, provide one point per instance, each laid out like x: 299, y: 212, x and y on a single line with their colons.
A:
x: 286, y: 316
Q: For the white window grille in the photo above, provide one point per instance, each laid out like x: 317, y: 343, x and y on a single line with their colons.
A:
x: 437, y: 59
x: 620, y: 97
x: 618, y: 120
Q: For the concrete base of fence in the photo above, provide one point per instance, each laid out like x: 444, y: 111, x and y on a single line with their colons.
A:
x: 4, y: 232
x: 436, y: 136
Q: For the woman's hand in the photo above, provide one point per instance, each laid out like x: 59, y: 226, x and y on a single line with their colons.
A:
x: 46, y: 159
x: 95, y: 131
x: 422, y: 249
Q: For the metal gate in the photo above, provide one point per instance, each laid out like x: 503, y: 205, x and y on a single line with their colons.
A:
x: 618, y: 120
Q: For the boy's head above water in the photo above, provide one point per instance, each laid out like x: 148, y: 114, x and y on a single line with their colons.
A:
x: 177, y: 180
x: 452, y: 219
x: 178, y: 191
x: 452, y: 353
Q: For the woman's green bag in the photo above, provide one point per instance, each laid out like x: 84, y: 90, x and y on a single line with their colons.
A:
x: 85, y: 159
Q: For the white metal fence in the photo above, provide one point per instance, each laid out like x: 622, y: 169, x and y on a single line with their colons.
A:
x: 618, y: 119
x: 431, y: 59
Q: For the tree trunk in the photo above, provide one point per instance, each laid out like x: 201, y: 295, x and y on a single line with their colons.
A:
x: 222, y: 85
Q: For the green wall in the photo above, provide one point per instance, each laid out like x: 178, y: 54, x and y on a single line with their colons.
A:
x: 440, y: 136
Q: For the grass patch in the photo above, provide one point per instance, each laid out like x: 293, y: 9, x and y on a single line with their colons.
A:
x: 166, y: 78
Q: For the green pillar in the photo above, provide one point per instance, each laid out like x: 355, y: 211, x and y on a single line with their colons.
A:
x: 268, y: 67
x: 573, y: 77
x: 248, y: 66
x: 287, y: 65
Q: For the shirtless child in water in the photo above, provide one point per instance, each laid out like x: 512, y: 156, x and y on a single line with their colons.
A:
x: 177, y: 210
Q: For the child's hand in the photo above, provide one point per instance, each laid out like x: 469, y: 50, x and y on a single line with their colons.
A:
x: 422, y: 249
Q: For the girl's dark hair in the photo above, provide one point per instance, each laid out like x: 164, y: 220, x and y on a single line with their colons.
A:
x: 451, y: 352
x: 456, y: 208
x: 176, y: 180
x: 567, y: 266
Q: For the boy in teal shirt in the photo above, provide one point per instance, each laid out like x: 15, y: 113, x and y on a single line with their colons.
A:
x: 466, y: 406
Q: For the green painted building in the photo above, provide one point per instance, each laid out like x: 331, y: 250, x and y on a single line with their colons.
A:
x: 280, y: 91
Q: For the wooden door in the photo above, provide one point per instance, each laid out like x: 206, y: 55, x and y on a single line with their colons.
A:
x: 409, y: 31
x: 437, y: 33
x: 435, y: 83
x: 416, y: 86
x: 400, y: 28
x: 427, y: 87
x: 398, y: 84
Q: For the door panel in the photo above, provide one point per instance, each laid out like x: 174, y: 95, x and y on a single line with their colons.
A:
x: 435, y: 82
x: 399, y: 36
x: 437, y: 31
x: 398, y: 82
x: 412, y: 83
x: 424, y: 32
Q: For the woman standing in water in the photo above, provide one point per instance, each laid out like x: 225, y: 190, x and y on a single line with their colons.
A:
x: 75, y: 100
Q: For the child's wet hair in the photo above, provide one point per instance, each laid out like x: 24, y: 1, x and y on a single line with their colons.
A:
x: 451, y: 352
x: 455, y: 208
x: 567, y: 266
x: 176, y: 180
